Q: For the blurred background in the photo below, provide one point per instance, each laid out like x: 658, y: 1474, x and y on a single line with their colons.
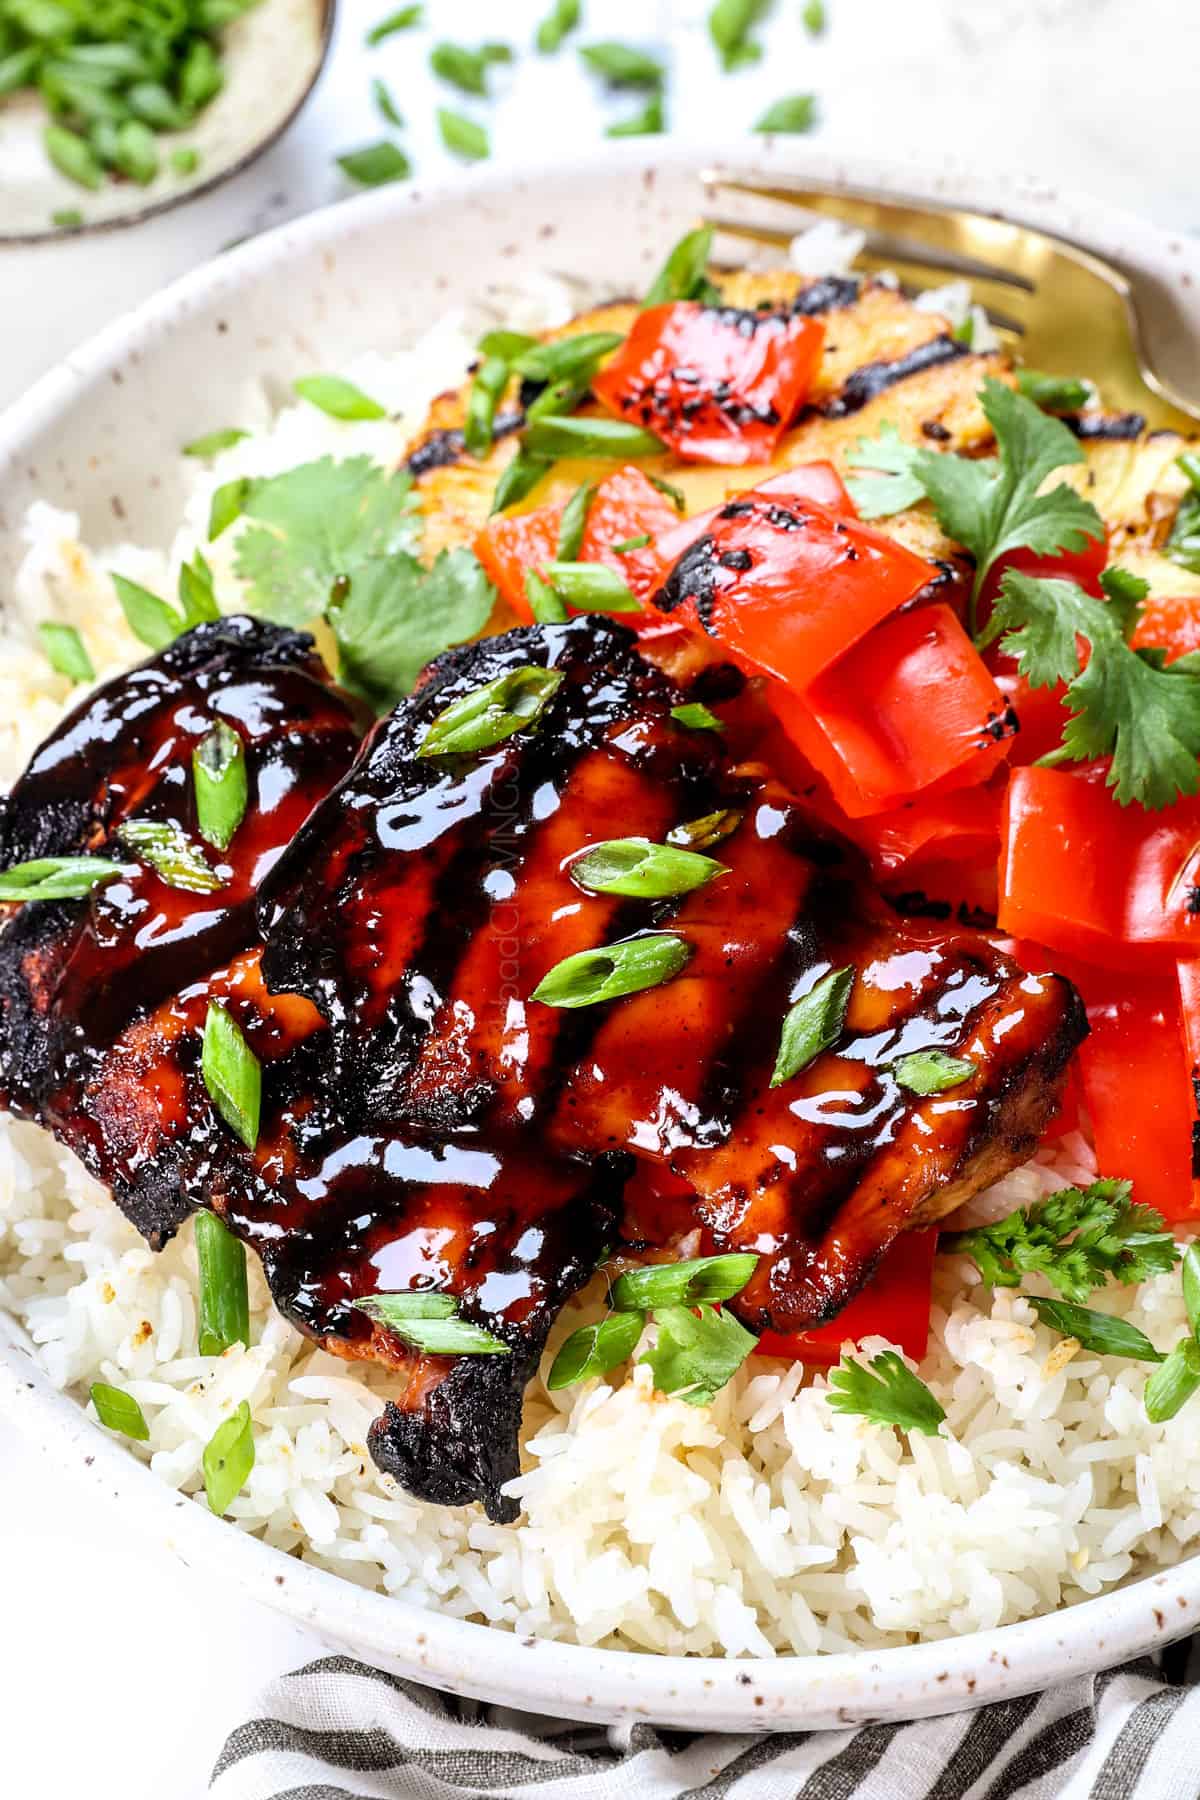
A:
x: 1089, y: 94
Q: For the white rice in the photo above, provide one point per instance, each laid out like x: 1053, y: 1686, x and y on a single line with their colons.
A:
x: 766, y: 1524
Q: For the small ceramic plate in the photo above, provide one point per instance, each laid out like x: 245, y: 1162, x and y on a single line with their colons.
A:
x: 272, y: 56
x: 100, y: 435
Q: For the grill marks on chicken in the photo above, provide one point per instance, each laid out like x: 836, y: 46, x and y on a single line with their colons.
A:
x: 424, y: 1123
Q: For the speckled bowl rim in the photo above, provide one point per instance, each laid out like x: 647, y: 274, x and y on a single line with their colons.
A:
x: 827, y: 1692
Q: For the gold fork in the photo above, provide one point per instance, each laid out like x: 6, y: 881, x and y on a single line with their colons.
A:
x: 1064, y: 309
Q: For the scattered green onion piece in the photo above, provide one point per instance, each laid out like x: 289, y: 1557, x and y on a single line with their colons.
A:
x: 696, y: 717
x: 932, y: 1071
x: 67, y: 218
x: 55, y: 878
x: 683, y: 1283
x: 213, y: 442
x: 119, y: 1411
x: 562, y: 18
x: 73, y: 157
x: 232, y: 1073
x: 197, y: 595
x: 136, y: 152
x: 1174, y: 1382
x: 814, y: 17
x: 675, y: 495
x: 623, y: 65
x: 574, y: 522
x: 224, y: 1309
x: 505, y: 344
x: 490, y: 381
x: 467, y: 69
x: 201, y: 76
x: 647, y: 123
x: 219, y: 781
x: 185, y: 160
x: 463, y: 136
x: 702, y: 834
x: 518, y: 478
x: 385, y: 105
x: 434, y: 1331
x: 626, y: 967
x: 794, y: 114
x: 632, y: 543
x: 555, y: 437
x: 592, y: 587
x: 1098, y: 1331
x: 154, y: 104
x: 339, y: 398
x: 1053, y: 393
x: 595, y: 1349
x: 375, y: 164
x: 567, y: 359
x: 65, y: 651
x: 556, y: 399
x: 228, y: 503
x: 729, y: 25
x: 547, y: 606
x: 684, y: 274
x: 150, y: 619
x: 165, y: 848
x: 489, y: 714
x: 228, y: 1459
x: 642, y: 870
x: 1191, y: 1288
x: 402, y: 20
x: 813, y: 1024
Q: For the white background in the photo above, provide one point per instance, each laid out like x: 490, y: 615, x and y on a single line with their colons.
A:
x: 121, y: 1673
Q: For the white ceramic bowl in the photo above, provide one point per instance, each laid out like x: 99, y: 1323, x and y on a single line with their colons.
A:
x: 100, y: 434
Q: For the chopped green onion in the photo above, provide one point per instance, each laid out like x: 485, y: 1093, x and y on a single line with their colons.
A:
x: 556, y: 437
x: 375, y: 164
x: 340, y: 399
x: 505, y: 344
x: 164, y: 847
x: 702, y: 834
x: 385, y: 105
x: 219, y: 780
x: 436, y: 1329
x: 67, y: 218
x: 932, y: 1071
x: 402, y: 20
x: 148, y: 617
x: 675, y: 495
x: 592, y: 587
x: 623, y: 65
x: 185, y: 160
x: 213, y: 442
x: 228, y: 1459
x: 119, y: 1411
x: 1097, y: 1331
x: 201, y: 76
x: 1191, y: 1288
x: 467, y: 69
x: 136, y: 152
x: 608, y: 973
x: 562, y: 18
x: 73, y: 157
x: 228, y: 503
x: 794, y: 114
x: 813, y: 16
x: 491, y: 713
x: 631, y: 543
x: 814, y: 1023
x: 518, y: 478
x: 683, y: 1283
x: 642, y: 870
x: 556, y: 399
x: 232, y: 1073
x: 684, y: 274
x: 489, y: 384
x: 197, y: 595
x: 224, y: 1307
x: 151, y: 101
x: 1174, y: 1382
x: 55, y: 878
x: 730, y: 23
x: 547, y: 606
x: 574, y: 522
x: 1053, y: 393
x: 463, y: 136
x: 567, y: 359
x: 696, y: 717
x: 595, y: 1349
x: 647, y: 123
x: 65, y: 651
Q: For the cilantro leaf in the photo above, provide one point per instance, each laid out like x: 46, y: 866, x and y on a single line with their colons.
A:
x: 1125, y: 703
x: 697, y: 1351
x: 315, y: 523
x: 893, y: 1395
x: 1125, y: 592
x: 392, y: 615
x: 1077, y: 1239
x: 893, y: 483
x: 993, y: 505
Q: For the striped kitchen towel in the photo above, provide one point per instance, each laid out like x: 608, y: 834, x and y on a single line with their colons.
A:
x: 338, y: 1730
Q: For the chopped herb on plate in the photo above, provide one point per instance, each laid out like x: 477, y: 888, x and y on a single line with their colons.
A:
x: 374, y: 165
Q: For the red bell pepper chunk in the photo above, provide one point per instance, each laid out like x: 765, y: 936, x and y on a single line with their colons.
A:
x: 784, y: 586
x: 909, y: 706
x: 1170, y: 623
x: 715, y: 383
x: 894, y: 1304
x: 1112, y: 884
x: 625, y: 505
x: 961, y: 825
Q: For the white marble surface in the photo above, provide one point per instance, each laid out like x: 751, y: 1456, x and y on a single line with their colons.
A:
x: 121, y: 1673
